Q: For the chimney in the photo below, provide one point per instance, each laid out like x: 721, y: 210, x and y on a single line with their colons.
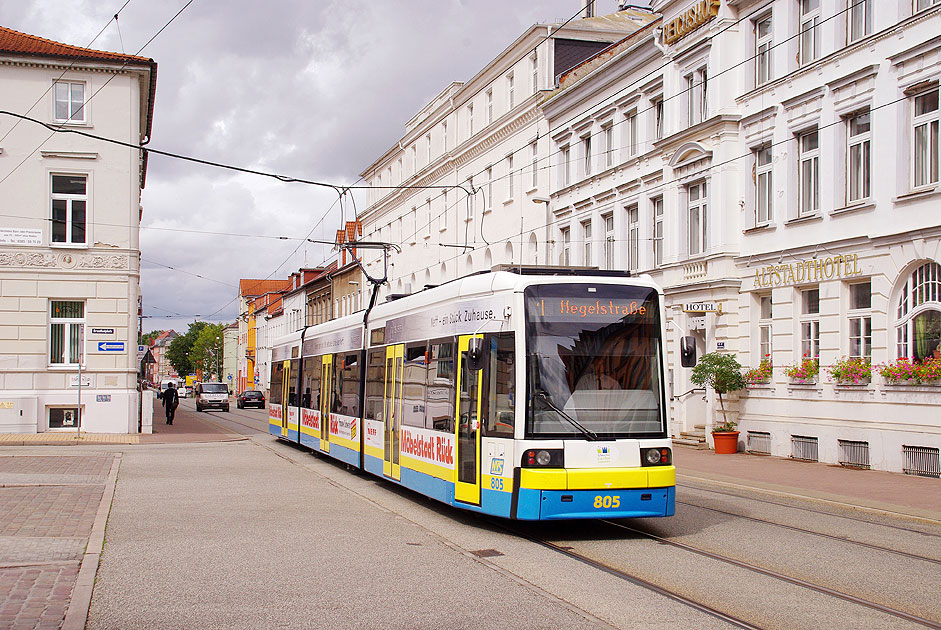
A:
x: 588, y: 8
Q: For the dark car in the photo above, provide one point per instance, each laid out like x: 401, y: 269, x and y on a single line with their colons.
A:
x: 250, y: 398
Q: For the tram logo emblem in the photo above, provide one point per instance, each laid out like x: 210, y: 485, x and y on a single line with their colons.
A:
x: 496, y: 467
x: 605, y: 454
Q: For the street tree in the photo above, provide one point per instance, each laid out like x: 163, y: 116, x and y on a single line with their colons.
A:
x: 206, y: 352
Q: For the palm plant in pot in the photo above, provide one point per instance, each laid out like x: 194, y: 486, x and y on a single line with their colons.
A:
x: 723, y: 373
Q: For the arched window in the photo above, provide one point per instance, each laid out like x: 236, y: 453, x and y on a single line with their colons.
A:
x: 918, y: 323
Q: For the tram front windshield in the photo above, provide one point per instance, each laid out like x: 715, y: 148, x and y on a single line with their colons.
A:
x: 594, y: 357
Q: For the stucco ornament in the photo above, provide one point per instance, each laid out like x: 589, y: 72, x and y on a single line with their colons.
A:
x: 103, y: 262
x: 27, y: 259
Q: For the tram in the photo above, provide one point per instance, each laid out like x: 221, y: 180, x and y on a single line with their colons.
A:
x: 520, y: 394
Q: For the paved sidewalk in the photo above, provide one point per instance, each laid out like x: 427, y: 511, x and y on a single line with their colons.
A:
x: 894, y: 493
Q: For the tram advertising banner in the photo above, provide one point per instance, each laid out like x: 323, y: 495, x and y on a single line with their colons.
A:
x: 374, y: 435
x: 274, y: 415
x: 430, y: 447
x: 310, y: 419
x: 292, y: 418
x: 447, y: 321
x: 342, y: 426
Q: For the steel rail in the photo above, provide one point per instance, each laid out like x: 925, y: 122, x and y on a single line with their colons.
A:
x: 811, y: 510
x: 783, y: 577
x: 812, y: 532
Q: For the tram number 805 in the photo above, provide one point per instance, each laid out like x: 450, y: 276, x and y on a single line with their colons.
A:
x: 607, y: 501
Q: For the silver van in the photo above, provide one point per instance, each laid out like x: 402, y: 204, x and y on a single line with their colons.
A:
x: 212, y: 395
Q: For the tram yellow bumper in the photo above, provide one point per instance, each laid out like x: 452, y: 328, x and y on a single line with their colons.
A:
x: 597, y: 478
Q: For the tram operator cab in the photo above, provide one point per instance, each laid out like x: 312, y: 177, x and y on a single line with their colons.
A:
x: 527, y: 397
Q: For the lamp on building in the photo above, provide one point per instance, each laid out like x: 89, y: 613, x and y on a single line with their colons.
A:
x: 544, y: 200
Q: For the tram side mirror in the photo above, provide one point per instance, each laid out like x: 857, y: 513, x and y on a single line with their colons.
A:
x: 475, y: 353
x: 688, y: 351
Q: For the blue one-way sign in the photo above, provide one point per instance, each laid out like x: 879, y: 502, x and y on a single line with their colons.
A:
x: 110, y: 346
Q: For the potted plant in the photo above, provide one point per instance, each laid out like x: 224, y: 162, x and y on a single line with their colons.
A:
x: 723, y: 373
x: 760, y: 375
x: 805, y: 372
x: 851, y: 371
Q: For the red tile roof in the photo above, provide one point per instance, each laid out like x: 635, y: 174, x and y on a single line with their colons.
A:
x: 20, y: 43
x: 253, y: 288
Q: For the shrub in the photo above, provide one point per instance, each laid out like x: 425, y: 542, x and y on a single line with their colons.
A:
x: 721, y: 372
x: 851, y: 369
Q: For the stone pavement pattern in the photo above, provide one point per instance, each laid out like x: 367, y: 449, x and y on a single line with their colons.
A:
x: 48, y: 504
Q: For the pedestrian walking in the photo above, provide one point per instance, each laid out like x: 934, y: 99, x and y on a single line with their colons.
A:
x: 170, y: 400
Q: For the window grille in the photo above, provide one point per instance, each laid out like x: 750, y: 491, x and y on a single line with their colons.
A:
x: 854, y: 454
x: 804, y: 448
x: 759, y: 442
x: 923, y: 461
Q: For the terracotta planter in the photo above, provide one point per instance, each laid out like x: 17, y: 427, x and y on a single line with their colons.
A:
x: 726, y: 442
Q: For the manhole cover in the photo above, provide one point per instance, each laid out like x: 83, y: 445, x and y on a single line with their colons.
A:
x: 486, y: 553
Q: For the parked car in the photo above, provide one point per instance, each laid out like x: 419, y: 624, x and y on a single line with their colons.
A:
x: 209, y: 395
x: 250, y: 398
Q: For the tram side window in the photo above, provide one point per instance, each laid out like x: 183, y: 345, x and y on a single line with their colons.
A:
x: 439, y: 405
x: 346, y: 398
x: 310, y: 399
x: 375, y: 381
x: 292, y: 386
x: 413, y: 381
x: 499, y: 381
x: 277, y: 380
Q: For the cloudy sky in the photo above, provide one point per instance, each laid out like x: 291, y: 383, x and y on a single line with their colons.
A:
x: 314, y: 90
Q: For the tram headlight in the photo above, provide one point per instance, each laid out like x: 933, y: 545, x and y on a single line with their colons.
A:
x: 545, y: 457
x: 660, y: 456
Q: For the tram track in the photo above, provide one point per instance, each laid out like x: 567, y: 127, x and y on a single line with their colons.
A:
x: 807, y: 509
x: 928, y: 623
x: 802, y: 530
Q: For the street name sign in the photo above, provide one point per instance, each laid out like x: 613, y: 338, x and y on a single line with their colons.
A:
x: 102, y: 331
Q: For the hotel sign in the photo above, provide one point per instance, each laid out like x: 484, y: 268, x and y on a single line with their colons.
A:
x: 692, y: 18
x: 839, y: 266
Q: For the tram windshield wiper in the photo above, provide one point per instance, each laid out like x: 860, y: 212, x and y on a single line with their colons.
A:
x: 542, y: 395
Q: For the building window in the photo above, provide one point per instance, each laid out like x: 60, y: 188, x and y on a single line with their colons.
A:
x: 860, y: 19
x: 763, y: 50
x: 428, y: 148
x: 586, y: 242
x: 489, y: 200
x: 764, y: 326
x: 63, y: 417
x: 658, y: 120
x: 810, y: 31
x: 566, y: 166
x: 534, y: 61
x: 608, y: 134
x: 857, y: 156
x: 657, y: 235
x: 860, y: 320
x: 414, y: 159
x: 470, y: 120
x: 918, y: 325
x: 633, y: 237
x: 763, y: 186
x: 66, y: 333
x: 697, y: 215
x: 444, y: 135
x: 924, y: 4
x: 489, y: 106
x: 69, y: 208
x: 565, y: 258
x: 509, y: 177
x: 810, y: 323
x: 633, y: 142
x: 925, y: 139
x: 69, y: 102
x: 608, y: 241
x: 586, y: 155
x: 696, y: 110
x: 510, y: 94
x: 535, y: 161
x: 809, y: 159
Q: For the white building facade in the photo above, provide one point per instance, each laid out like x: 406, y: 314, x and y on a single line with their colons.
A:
x: 745, y: 178
x: 457, y: 192
x: 69, y: 235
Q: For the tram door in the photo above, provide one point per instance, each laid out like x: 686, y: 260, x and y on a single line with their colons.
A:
x: 467, y: 427
x: 392, y: 410
x: 286, y: 377
x: 326, y: 402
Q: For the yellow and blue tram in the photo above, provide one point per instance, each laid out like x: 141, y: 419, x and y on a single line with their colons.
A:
x: 525, y: 396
